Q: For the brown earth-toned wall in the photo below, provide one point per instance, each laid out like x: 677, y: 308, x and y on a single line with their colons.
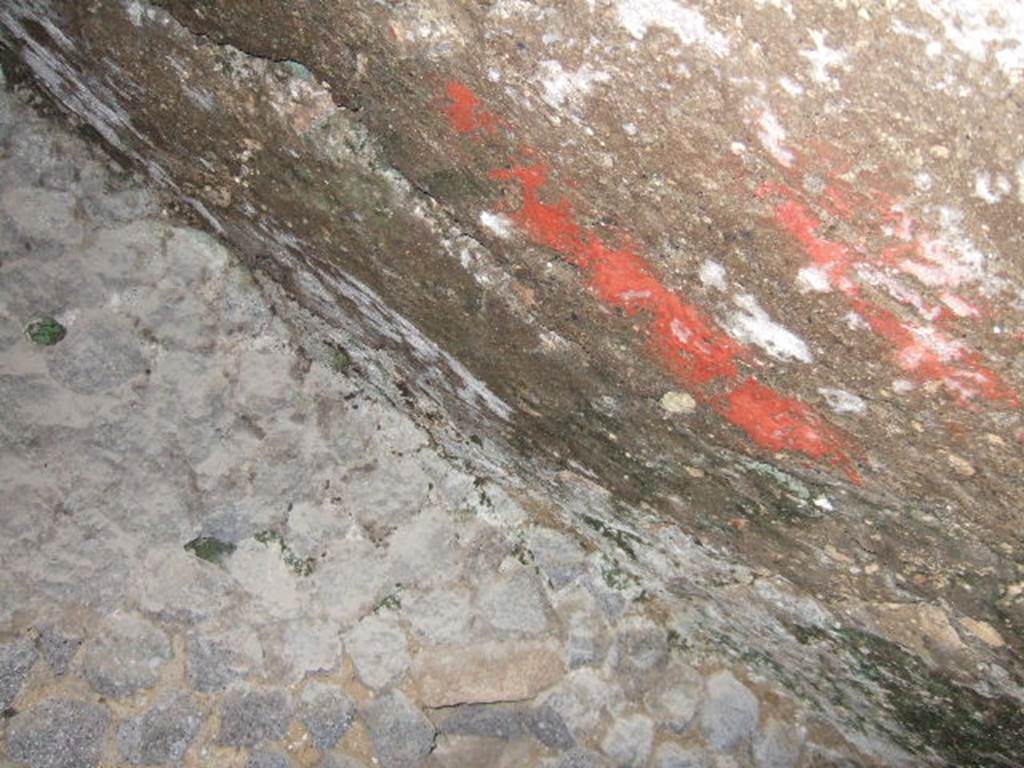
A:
x: 755, y: 264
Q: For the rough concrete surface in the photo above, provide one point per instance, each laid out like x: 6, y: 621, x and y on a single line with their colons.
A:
x: 650, y: 365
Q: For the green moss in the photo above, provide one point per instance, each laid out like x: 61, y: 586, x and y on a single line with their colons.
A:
x: 391, y: 602
x: 45, y: 331
x: 615, y: 577
x: 936, y: 714
x: 338, y: 358
x: 452, y: 185
x: 624, y: 540
x: 522, y: 553
x: 301, y: 566
x: 210, y: 549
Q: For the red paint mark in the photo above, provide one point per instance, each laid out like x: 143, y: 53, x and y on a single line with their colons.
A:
x: 922, y: 351
x: 465, y: 111
x: 686, y: 342
x: 782, y: 423
x: 929, y: 355
x: 681, y: 337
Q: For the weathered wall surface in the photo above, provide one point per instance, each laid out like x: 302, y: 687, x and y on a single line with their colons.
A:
x: 754, y: 264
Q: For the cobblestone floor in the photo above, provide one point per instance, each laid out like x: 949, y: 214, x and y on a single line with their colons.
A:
x: 216, y: 551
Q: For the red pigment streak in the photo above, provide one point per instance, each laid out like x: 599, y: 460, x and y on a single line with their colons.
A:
x: 966, y: 379
x: 779, y: 423
x: 681, y: 337
x: 465, y: 112
x: 935, y: 358
x: 686, y: 342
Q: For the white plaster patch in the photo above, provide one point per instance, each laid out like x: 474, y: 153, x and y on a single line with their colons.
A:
x: 773, y: 136
x: 678, y: 402
x: 814, y: 280
x: 753, y: 326
x: 991, y: 188
x: 712, y: 275
x: 952, y: 259
x: 841, y: 401
x: 791, y: 86
x: 134, y: 11
x: 958, y: 306
x: 979, y: 27
x: 855, y: 322
x: 821, y: 57
x: 903, y: 386
x: 689, y: 25
x: 822, y: 502
x: 783, y: 5
x: 561, y: 86
x: 498, y: 224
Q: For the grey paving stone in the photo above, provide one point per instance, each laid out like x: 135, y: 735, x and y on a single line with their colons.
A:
x: 778, y: 745
x: 249, y: 716
x: 266, y: 758
x: 547, y: 726
x: 58, y: 647
x: 491, y: 720
x: 97, y: 356
x: 327, y: 712
x: 402, y: 736
x: 674, y: 700
x: 628, y: 741
x: 126, y: 655
x: 443, y: 614
x: 379, y: 651
x: 16, y: 660
x: 670, y: 755
x: 582, y: 758
x: 560, y: 558
x: 209, y: 665
x: 58, y: 733
x: 586, y: 644
x: 162, y: 733
x: 640, y: 647
x: 515, y: 604
x: 730, y: 712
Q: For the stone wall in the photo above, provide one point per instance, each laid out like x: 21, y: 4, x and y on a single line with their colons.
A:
x: 750, y: 266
